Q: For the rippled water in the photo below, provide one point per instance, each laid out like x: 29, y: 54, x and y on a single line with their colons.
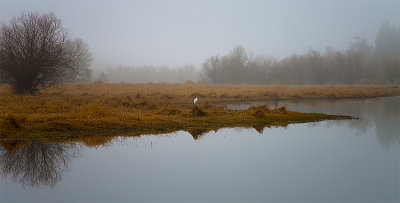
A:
x: 329, y: 161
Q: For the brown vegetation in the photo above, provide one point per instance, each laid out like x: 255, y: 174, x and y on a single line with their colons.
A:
x: 102, y: 107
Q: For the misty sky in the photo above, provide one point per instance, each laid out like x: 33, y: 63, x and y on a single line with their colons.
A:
x: 174, y: 33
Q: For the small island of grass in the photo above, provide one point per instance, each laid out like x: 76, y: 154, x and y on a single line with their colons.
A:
x: 156, y: 108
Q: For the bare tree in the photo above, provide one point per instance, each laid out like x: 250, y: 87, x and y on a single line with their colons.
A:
x: 36, y: 52
x: 392, y: 70
x: 257, y: 68
x: 315, y: 64
x: 212, y: 69
x: 235, y: 65
x: 80, y: 71
x: 227, y: 69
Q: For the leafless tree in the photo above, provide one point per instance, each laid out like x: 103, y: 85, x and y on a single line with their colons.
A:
x: 212, y: 69
x: 80, y: 71
x: 36, y: 52
x: 235, y: 64
x: 392, y: 70
x: 227, y: 69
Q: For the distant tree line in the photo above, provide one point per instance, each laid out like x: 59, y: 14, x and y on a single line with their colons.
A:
x: 36, y: 51
x: 142, y: 74
x: 360, y: 63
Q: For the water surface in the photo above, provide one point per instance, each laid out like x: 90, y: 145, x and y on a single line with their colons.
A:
x: 329, y: 161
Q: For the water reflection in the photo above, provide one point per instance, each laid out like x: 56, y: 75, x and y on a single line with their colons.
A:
x: 381, y: 113
x: 35, y: 163
x: 198, y: 133
x: 259, y: 128
x: 387, y: 131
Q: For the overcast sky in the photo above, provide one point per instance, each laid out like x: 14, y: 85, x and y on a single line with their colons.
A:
x: 175, y: 32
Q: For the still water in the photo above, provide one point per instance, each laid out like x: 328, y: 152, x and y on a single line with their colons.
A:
x: 328, y: 161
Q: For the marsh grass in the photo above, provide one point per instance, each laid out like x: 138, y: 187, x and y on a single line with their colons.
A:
x: 198, y: 111
x: 152, y: 107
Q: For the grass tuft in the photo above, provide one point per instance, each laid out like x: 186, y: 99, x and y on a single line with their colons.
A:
x: 198, y: 111
x: 282, y: 109
x: 12, y: 122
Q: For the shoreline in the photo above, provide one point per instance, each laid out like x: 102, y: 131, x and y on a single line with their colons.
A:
x: 142, y: 108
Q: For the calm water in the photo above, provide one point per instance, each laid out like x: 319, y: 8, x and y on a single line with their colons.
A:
x: 329, y: 161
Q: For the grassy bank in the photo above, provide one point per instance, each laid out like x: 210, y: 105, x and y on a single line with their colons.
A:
x: 143, y: 108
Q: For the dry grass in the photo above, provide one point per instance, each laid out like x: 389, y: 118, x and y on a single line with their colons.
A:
x: 126, y: 93
x: 157, y: 107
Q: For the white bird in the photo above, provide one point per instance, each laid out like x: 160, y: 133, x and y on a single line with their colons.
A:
x: 195, y: 101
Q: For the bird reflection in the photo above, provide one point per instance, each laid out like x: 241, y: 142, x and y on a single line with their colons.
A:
x: 35, y: 163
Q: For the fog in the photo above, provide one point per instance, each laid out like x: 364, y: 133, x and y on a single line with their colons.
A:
x: 142, y: 74
x: 175, y: 33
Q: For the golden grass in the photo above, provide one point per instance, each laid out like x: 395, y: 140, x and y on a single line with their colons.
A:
x: 102, y: 107
x: 125, y: 93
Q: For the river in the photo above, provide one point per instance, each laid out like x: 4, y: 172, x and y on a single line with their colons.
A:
x: 328, y: 161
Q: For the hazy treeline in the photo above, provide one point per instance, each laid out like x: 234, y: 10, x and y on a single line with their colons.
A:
x: 142, y: 74
x: 360, y: 63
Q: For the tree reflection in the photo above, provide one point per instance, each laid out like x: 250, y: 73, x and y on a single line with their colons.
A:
x: 35, y: 163
x: 387, y: 123
x: 380, y: 113
x: 388, y: 132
